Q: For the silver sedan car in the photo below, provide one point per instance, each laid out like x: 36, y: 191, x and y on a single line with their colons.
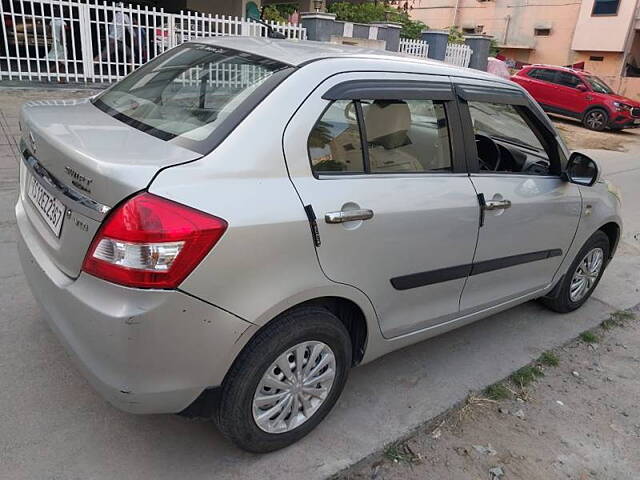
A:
x: 232, y: 227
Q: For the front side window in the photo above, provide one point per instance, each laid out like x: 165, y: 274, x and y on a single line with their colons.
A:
x: 605, y: 7
x: 505, y: 141
x: 598, y: 85
x: 402, y: 136
x: 187, y: 92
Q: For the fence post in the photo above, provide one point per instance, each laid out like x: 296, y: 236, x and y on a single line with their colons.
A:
x: 319, y: 26
x: 437, y: 41
x: 86, y: 46
x: 481, y: 45
x: 390, y: 33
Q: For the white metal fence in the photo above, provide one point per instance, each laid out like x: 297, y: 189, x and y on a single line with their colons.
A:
x: 458, y: 54
x: 66, y: 40
x: 418, y: 48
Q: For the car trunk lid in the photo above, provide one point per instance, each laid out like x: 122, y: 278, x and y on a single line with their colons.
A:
x: 88, y: 161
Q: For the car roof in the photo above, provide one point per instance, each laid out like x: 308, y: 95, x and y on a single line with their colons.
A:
x: 558, y: 67
x: 300, y: 52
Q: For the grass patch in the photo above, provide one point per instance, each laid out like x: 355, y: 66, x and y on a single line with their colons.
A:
x: 617, y: 319
x: 497, y: 391
x: 549, y: 359
x: 589, y: 337
x: 401, y: 453
x: 526, y: 375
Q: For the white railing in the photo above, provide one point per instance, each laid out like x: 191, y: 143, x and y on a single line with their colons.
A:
x: 458, y: 54
x: 66, y: 40
x: 418, y: 48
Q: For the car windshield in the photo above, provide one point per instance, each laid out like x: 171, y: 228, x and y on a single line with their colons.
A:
x: 598, y: 85
x: 187, y: 92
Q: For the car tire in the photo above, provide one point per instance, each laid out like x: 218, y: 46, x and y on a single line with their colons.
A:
x: 241, y: 414
x: 566, y: 298
x: 596, y: 119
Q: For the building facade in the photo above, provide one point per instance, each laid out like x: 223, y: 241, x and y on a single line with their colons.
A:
x: 602, y: 34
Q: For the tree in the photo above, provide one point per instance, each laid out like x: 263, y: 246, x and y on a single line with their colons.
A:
x: 379, y: 11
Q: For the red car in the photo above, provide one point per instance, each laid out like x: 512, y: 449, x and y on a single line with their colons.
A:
x: 578, y: 94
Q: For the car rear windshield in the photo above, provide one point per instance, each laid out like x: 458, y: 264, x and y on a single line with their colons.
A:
x: 188, y: 92
x: 598, y: 85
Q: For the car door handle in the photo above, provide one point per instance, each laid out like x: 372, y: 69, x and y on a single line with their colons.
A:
x: 496, y: 204
x: 348, y: 215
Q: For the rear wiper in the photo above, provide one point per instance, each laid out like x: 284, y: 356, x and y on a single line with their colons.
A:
x: 271, y: 33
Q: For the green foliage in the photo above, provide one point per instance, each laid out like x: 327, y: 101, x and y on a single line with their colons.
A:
x: 589, y: 337
x: 401, y: 453
x: 549, y: 359
x: 493, y: 48
x: 455, y: 35
x: 497, y: 391
x: 617, y: 319
x: 278, y: 12
x: 526, y: 375
x: 377, y: 12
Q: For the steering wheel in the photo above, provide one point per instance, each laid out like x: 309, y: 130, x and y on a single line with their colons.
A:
x: 488, y: 152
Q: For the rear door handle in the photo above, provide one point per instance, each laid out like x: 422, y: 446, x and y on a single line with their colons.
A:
x: 496, y: 204
x: 348, y: 215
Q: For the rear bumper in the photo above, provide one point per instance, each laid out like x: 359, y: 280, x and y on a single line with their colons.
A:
x: 145, y: 351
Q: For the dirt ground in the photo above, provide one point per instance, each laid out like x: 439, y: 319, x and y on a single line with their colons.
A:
x: 578, y: 420
x: 576, y: 136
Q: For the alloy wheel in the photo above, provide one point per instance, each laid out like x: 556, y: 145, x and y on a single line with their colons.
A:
x: 294, y: 387
x: 586, y: 274
x: 596, y: 120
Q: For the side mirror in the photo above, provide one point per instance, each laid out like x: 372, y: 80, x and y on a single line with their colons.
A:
x: 581, y: 170
x: 581, y: 87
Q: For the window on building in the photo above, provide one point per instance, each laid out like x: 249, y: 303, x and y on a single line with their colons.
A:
x: 469, y: 30
x: 542, y: 74
x: 594, y: 58
x: 605, y: 7
x: 542, y: 32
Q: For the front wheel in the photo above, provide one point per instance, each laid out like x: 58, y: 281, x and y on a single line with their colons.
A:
x: 596, y: 119
x: 583, y: 276
x: 285, y: 381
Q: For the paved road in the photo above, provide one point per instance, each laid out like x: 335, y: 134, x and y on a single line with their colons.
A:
x: 52, y: 424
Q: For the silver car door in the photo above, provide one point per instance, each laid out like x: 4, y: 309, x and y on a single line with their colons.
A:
x: 529, y: 213
x: 378, y: 159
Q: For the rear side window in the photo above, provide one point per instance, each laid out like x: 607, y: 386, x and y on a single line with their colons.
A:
x: 334, y: 143
x: 568, y: 79
x: 402, y: 136
x: 542, y: 74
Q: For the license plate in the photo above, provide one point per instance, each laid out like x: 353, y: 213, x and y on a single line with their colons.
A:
x: 50, y: 208
x: 636, y: 122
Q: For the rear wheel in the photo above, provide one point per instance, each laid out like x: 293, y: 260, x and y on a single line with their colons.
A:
x: 582, y: 277
x: 596, y: 119
x: 286, y: 380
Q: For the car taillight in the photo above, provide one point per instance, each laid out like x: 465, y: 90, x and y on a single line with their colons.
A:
x: 152, y: 242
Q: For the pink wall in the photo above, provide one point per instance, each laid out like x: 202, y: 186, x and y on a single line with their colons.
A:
x: 604, y: 33
x: 512, y: 23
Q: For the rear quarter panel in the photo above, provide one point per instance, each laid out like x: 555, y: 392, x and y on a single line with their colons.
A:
x: 266, y: 261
